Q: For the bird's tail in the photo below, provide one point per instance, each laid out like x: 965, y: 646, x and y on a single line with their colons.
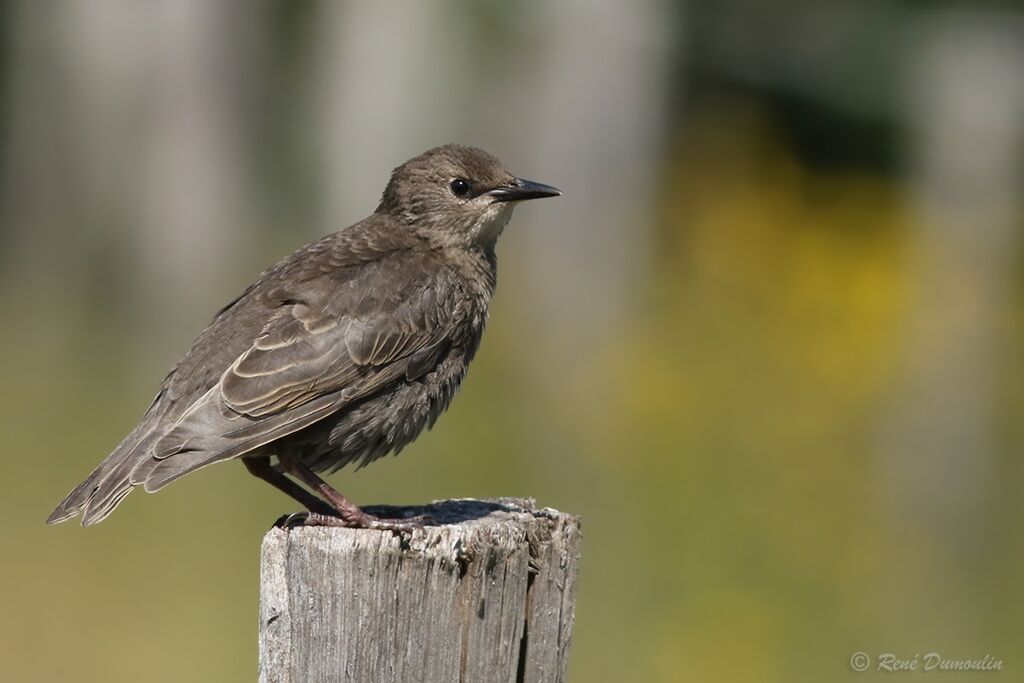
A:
x: 109, y: 483
x: 75, y: 501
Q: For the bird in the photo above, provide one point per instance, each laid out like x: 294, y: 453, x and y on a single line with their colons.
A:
x: 342, y: 352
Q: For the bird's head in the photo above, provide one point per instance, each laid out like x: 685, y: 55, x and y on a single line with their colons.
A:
x: 457, y: 195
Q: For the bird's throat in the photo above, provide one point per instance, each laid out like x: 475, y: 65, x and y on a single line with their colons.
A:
x: 491, y: 224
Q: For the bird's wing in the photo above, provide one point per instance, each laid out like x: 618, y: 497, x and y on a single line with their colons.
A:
x: 305, y: 352
x: 328, y: 344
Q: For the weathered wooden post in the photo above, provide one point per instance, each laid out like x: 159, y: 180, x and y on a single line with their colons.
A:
x: 486, y: 594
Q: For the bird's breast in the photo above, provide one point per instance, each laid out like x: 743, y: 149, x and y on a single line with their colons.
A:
x: 389, y: 421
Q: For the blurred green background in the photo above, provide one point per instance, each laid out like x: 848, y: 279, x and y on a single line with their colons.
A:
x: 767, y: 344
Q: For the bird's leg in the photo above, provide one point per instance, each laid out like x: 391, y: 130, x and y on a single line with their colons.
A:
x: 345, y: 513
x: 260, y: 467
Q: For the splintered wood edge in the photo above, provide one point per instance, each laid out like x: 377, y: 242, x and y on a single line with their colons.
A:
x: 461, y: 526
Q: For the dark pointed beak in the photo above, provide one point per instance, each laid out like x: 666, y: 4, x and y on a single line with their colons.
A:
x: 520, y: 189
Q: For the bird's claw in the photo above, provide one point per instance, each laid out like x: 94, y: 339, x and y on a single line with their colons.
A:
x: 362, y: 521
x: 405, y: 525
x: 293, y: 520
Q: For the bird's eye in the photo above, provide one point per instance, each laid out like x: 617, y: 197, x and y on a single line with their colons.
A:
x: 460, y: 187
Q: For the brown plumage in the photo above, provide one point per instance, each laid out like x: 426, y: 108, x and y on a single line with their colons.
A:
x: 340, y: 353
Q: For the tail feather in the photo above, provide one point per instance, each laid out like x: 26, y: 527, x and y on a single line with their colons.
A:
x: 75, y: 501
x: 107, y: 485
x: 117, y: 481
x: 154, y: 455
x: 97, y: 510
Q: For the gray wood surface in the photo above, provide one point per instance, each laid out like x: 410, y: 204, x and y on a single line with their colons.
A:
x: 484, y: 594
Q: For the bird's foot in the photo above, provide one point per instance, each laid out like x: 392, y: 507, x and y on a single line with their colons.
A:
x: 403, y: 524
x: 359, y: 520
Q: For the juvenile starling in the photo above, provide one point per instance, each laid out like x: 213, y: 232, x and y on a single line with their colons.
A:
x: 340, y: 353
